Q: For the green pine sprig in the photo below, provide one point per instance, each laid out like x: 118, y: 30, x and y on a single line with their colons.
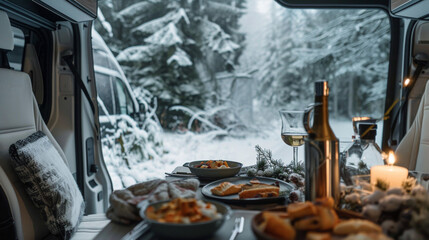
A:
x: 381, y: 184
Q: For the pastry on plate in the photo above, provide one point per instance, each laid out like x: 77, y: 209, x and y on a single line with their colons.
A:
x: 301, y: 209
x: 277, y: 226
x: 355, y: 226
x: 318, y: 236
x: 307, y: 223
x: 367, y: 236
x: 259, y: 190
x: 226, y: 188
x: 328, y: 218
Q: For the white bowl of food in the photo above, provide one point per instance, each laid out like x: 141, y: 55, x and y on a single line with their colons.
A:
x: 214, y: 169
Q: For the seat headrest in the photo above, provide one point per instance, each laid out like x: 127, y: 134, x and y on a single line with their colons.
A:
x: 6, y: 36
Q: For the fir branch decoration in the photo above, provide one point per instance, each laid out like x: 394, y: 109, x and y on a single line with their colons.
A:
x: 265, y: 160
x: 381, y: 184
x: 409, y: 184
x: 299, y: 168
x: 267, y: 166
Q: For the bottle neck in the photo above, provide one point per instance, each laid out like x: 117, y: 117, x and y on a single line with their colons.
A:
x: 321, y: 128
x: 321, y: 113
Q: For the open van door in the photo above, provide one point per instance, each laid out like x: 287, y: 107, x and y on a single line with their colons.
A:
x: 46, y: 34
x: 97, y: 183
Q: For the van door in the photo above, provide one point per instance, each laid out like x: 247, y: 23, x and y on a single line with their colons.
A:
x: 93, y: 171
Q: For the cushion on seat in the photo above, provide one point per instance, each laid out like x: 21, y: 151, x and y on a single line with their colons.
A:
x: 91, y: 226
x: 49, y: 183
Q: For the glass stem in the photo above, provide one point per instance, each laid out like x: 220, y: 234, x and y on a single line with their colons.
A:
x: 295, y: 156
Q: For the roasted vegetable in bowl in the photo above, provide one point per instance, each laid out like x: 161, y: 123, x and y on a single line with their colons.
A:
x: 182, y: 210
x: 214, y: 169
x: 185, y: 218
x: 213, y: 164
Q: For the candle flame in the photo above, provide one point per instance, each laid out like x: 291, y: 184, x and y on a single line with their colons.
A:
x: 391, y: 159
x: 407, y: 82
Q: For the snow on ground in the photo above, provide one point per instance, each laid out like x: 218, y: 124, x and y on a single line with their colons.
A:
x: 190, y: 147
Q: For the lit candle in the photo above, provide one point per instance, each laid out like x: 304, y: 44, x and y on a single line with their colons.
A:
x: 393, y: 175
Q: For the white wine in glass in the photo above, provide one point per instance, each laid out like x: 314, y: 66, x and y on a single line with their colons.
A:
x: 293, y: 131
x: 293, y: 139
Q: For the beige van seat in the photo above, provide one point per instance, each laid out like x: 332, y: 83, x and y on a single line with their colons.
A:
x: 413, y: 151
x: 20, y: 117
x: 32, y: 67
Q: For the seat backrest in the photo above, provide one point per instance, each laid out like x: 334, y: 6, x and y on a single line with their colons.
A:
x: 32, y: 67
x: 19, y: 117
x: 413, y: 150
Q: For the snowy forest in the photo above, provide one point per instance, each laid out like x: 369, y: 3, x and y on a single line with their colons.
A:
x: 218, y: 70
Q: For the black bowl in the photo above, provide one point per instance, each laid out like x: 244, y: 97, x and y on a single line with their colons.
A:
x: 199, y: 230
x: 210, y: 173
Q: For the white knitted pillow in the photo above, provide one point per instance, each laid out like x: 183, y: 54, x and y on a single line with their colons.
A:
x: 49, y: 183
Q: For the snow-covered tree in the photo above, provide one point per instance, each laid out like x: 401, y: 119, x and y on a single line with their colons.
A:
x: 281, y: 79
x: 174, y: 49
x: 349, y: 48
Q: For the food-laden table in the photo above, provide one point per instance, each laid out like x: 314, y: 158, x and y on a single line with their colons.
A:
x: 393, y: 206
x: 225, y: 231
x: 116, y: 231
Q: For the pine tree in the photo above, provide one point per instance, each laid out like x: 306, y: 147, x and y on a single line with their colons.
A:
x: 349, y: 48
x: 174, y: 49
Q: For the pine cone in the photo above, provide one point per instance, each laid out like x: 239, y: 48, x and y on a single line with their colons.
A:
x: 296, y: 179
x: 293, y: 197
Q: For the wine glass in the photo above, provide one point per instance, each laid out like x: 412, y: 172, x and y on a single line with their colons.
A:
x: 293, y: 131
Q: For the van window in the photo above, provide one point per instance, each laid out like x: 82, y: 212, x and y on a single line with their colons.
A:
x: 102, y: 59
x: 105, y: 93
x: 125, y: 104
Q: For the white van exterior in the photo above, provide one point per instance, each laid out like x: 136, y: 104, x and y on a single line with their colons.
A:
x: 115, y: 96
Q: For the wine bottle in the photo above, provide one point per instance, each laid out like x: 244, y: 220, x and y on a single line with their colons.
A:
x: 322, y: 177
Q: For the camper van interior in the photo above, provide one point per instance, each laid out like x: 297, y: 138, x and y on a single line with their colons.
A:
x: 108, y: 107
